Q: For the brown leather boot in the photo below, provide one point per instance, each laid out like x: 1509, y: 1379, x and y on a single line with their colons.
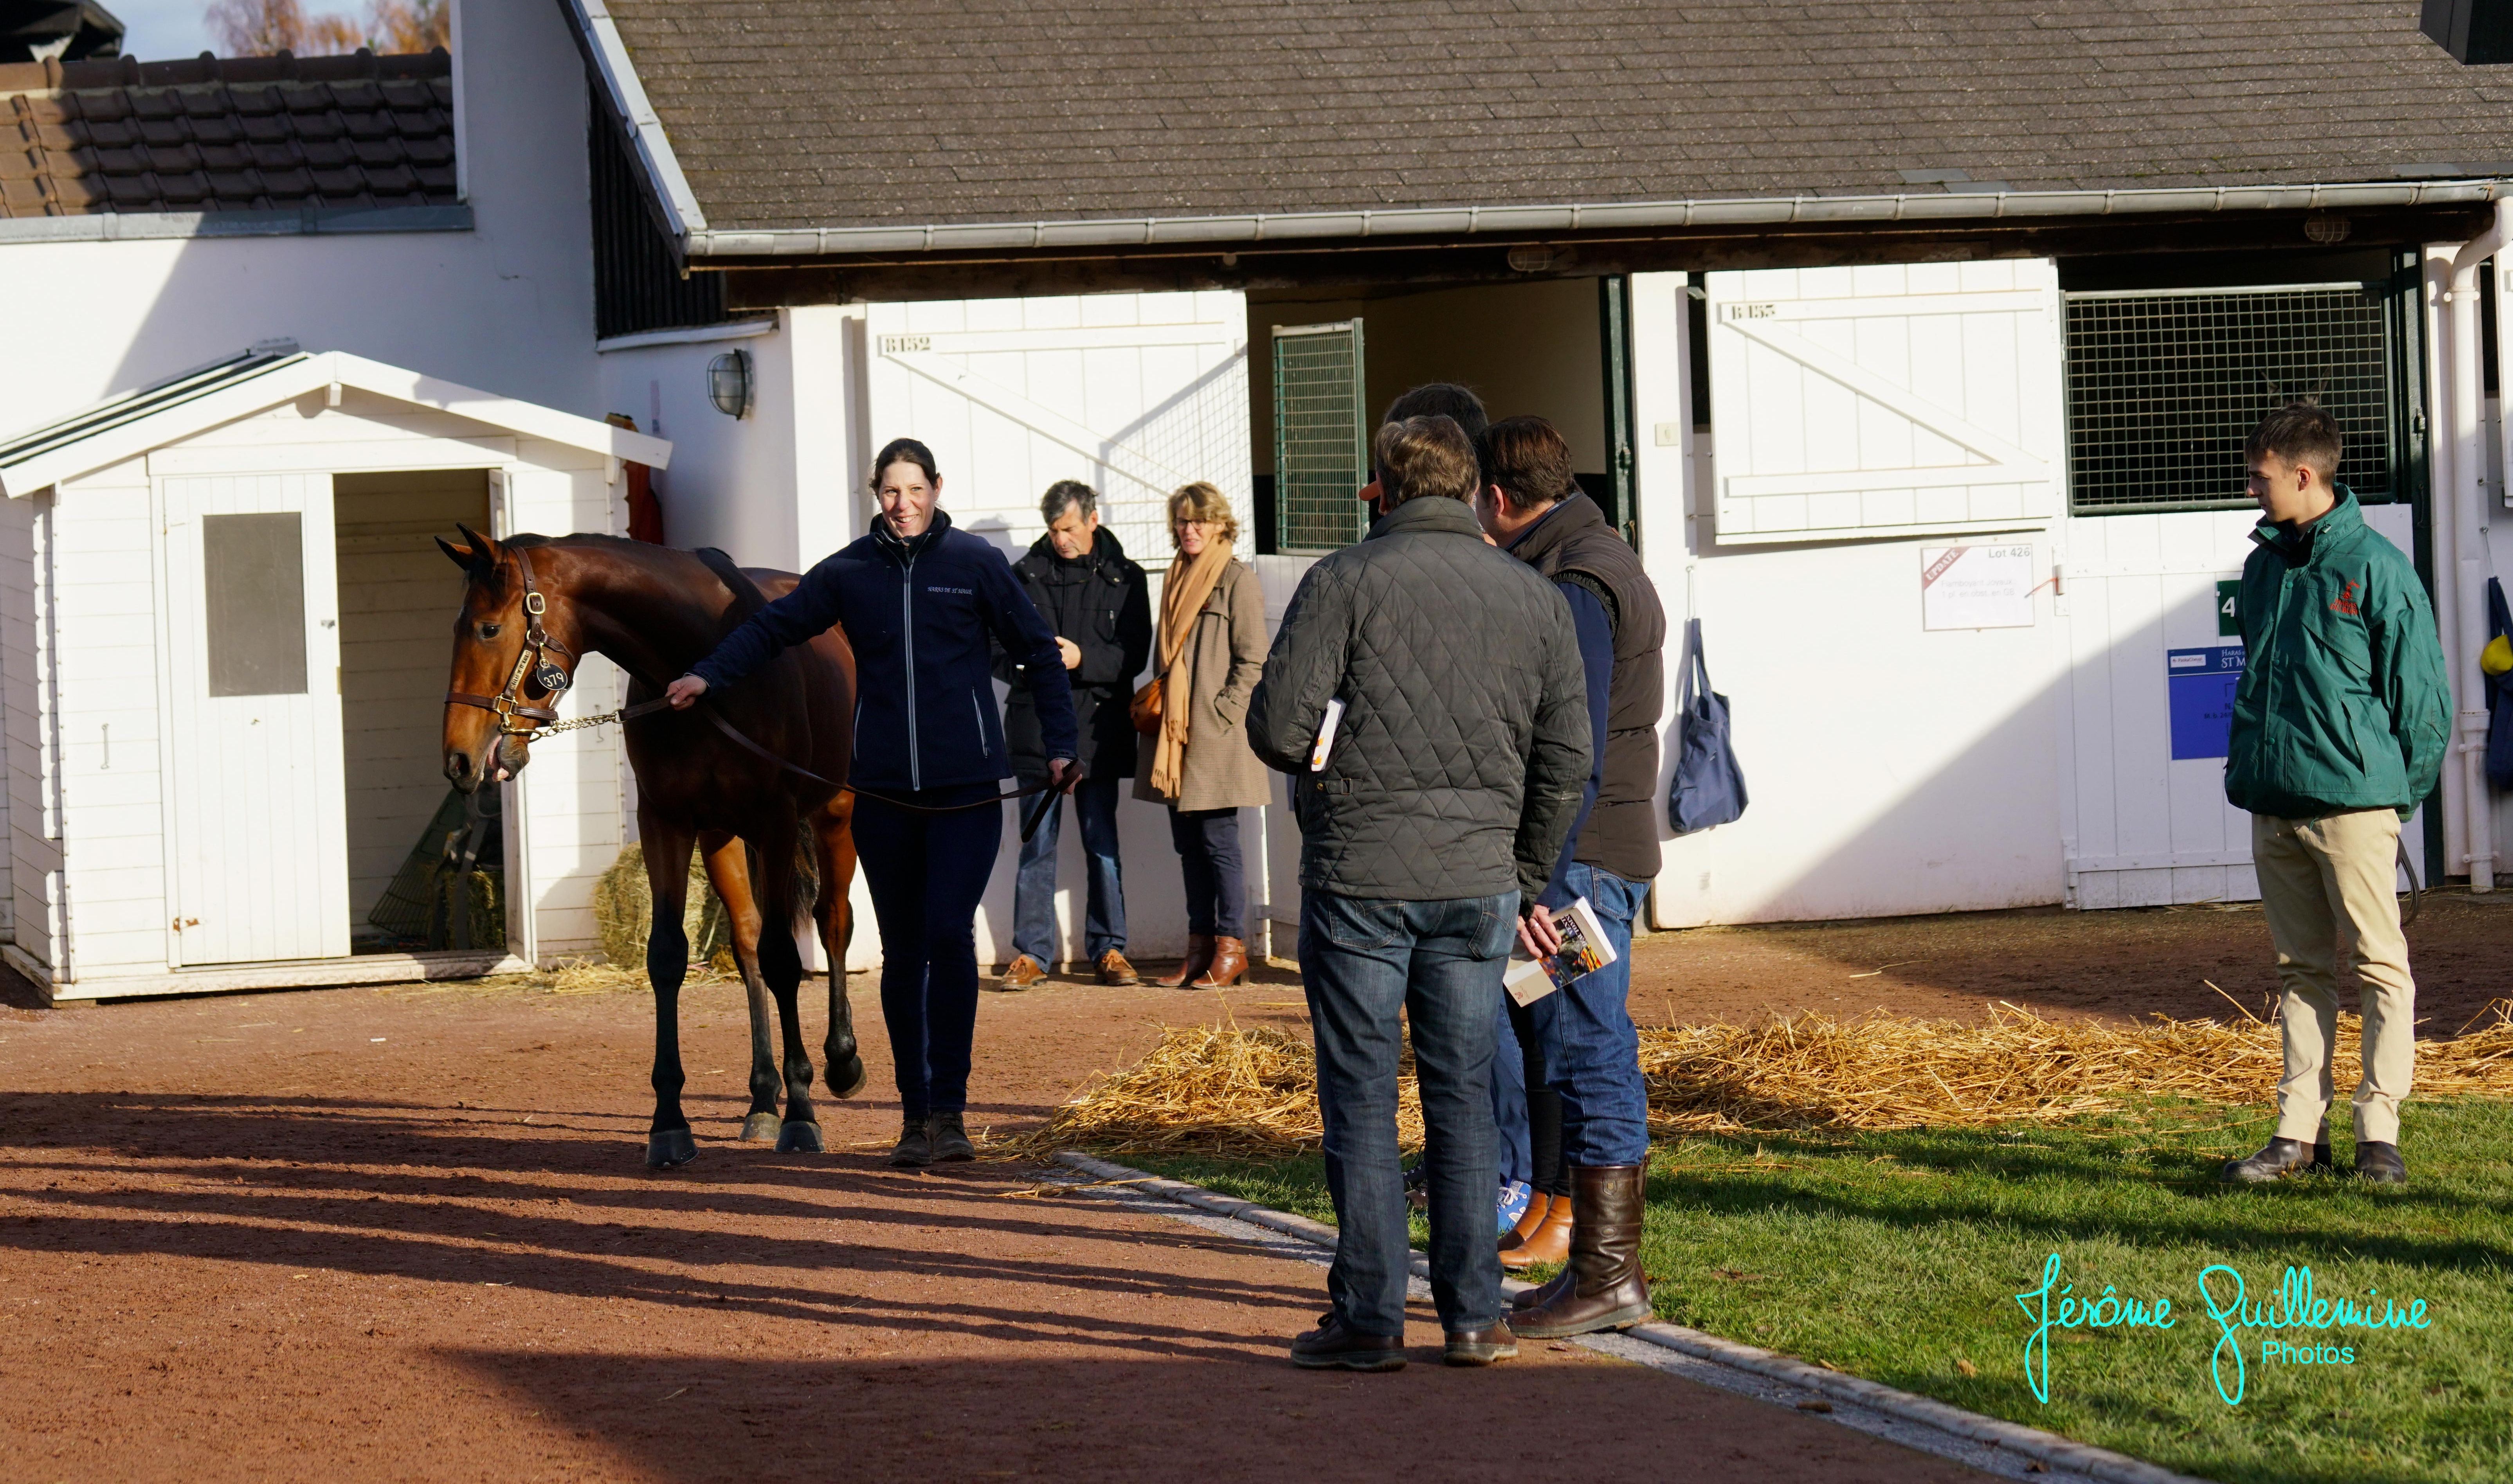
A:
x: 1199, y: 957
x: 1020, y: 974
x: 1516, y: 1236
x: 1548, y: 1242
x: 1607, y: 1289
x: 1229, y: 965
x: 1114, y: 969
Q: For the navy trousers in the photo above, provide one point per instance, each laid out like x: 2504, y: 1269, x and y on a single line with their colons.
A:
x: 925, y: 873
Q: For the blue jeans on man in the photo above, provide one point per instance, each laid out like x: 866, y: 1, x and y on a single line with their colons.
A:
x: 1104, y: 924
x: 1590, y: 1049
x: 1440, y: 964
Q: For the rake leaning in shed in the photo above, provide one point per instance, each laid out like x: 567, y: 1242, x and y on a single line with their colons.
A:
x: 920, y: 600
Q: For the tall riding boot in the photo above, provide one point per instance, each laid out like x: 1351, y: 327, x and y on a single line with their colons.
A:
x: 1551, y: 1239
x: 1607, y: 1289
x: 1229, y: 965
x: 1199, y: 957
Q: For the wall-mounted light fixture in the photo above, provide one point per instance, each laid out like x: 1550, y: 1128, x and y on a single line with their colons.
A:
x: 729, y: 383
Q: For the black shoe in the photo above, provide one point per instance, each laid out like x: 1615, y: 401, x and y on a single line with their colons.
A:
x: 2380, y: 1163
x: 2280, y: 1158
x: 1331, y: 1347
x: 915, y: 1147
x: 949, y: 1138
x: 1481, y: 1346
x: 2321, y: 1164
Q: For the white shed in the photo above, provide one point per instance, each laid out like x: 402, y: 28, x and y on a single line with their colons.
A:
x: 192, y: 804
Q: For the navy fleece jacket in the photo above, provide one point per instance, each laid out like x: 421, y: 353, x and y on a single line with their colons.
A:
x: 918, y: 613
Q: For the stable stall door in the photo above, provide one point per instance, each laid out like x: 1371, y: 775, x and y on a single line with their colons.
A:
x: 260, y: 841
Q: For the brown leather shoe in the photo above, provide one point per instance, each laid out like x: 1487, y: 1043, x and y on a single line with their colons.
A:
x: 1548, y: 1242
x: 1020, y: 974
x: 1607, y: 1289
x: 1516, y: 1236
x: 1114, y: 969
x: 1481, y: 1346
x: 1199, y: 957
x: 1229, y: 965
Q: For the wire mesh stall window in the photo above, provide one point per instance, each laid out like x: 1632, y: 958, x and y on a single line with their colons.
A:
x: 2163, y: 386
x: 1321, y: 437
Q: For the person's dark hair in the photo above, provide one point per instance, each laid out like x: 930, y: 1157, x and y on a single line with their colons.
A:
x: 1527, y: 459
x: 2301, y: 432
x: 1063, y: 492
x: 1442, y: 399
x: 1425, y: 457
x: 906, y: 449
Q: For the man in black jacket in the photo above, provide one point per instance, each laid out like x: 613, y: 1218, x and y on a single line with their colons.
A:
x: 1585, y: 1047
x: 1100, y: 606
x: 1459, y: 761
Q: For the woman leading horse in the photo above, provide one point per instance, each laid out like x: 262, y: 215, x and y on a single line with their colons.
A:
x: 919, y: 599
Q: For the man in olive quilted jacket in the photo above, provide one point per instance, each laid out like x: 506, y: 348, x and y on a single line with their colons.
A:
x: 1454, y: 778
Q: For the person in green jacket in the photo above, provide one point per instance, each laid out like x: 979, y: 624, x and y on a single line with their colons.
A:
x: 2339, y: 727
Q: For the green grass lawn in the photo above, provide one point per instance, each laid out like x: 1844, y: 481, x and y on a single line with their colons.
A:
x: 1896, y: 1256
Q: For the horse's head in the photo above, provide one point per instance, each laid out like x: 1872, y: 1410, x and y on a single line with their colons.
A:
x: 498, y: 664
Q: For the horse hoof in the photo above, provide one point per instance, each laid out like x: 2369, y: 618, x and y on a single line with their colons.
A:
x: 849, y: 1080
x: 761, y: 1128
x: 671, y: 1149
x: 799, y: 1138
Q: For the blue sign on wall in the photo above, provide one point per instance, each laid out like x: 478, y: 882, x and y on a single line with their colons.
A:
x: 2200, y: 689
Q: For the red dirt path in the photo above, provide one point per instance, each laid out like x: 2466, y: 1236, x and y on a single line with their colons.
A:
x: 406, y: 1234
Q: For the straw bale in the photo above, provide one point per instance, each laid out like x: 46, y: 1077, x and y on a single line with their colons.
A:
x: 623, y: 910
x: 1253, y: 1093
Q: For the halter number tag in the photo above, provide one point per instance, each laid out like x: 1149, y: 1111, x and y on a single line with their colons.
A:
x: 550, y: 676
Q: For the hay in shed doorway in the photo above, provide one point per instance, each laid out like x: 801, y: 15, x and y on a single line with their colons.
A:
x: 1233, y: 1093
x: 623, y: 910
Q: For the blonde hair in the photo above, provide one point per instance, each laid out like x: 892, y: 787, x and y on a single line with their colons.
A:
x: 1203, y: 501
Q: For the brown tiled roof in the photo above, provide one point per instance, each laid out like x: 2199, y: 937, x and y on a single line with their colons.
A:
x: 254, y: 133
x: 833, y: 113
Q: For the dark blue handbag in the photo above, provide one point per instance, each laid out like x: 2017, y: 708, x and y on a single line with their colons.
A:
x: 1709, y: 787
x: 2499, y: 696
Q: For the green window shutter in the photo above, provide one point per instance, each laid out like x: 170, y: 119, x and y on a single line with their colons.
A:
x: 1321, y: 437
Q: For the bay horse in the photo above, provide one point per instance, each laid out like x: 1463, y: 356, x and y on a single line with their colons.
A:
x: 770, y: 761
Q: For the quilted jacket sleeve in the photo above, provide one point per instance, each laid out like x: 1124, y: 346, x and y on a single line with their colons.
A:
x: 1558, y: 759
x: 1303, y: 672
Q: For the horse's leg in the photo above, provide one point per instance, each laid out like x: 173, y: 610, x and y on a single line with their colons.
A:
x: 666, y: 849
x: 833, y: 837
x: 780, y: 964
x: 729, y: 872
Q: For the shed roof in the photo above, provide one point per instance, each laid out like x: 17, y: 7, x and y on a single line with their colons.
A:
x: 257, y: 133
x: 855, y: 114
x: 260, y: 378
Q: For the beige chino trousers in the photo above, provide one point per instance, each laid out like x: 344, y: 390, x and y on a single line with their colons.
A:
x: 2329, y: 887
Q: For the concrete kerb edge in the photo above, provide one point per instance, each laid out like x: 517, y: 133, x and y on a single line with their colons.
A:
x: 2030, y: 1442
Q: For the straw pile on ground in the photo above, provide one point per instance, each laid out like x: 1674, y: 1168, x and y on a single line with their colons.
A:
x: 1251, y: 1093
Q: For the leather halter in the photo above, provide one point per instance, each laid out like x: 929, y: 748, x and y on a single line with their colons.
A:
x: 532, y: 659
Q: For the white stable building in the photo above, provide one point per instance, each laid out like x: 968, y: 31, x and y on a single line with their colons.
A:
x: 224, y: 636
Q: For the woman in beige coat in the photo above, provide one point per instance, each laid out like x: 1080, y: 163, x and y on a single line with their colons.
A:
x: 1210, y: 650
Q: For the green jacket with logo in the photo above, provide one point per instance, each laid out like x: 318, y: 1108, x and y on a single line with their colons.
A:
x: 2344, y: 702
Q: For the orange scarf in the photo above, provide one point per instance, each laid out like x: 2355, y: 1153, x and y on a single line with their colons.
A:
x: 1191, y: 581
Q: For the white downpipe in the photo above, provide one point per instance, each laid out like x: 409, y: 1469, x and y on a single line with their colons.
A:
x: 2445, y: 444
x: 2467, y: 634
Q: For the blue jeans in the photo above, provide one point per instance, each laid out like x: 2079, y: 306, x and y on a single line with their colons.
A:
x: 925, y: 873
x: 1103, y: 925
x: 1371, y: 968
x: 1587, y: 1045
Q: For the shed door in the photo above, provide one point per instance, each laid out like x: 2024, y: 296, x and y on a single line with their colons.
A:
x: 260, y: 840
x: 1132, y: 394
x: 1893, y: 399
